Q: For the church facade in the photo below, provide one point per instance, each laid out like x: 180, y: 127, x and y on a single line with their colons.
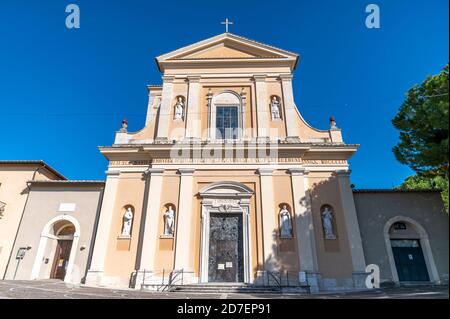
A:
x: 227, y: 182
x: 225, y: 185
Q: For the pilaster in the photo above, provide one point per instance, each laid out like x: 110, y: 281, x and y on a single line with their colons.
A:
x: 262, y: 106
x: 289, y: 106
x: 150, y: 238
x: 193, y: 126
x: 268, y: 218
x: 184, y: 231
x: 307, y: 255
x: 164, y: 112
x: 96, y: 269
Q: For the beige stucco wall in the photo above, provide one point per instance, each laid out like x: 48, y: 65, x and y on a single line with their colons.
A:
x: 42, y: 206
x: 374, y: 209
x: 14, y: 192
x: 333, y: 256
x: 122, y: 252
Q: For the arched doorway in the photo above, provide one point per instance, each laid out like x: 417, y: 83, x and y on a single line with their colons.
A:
x: 57, y: 249
x: 225, y: 233
x: 64, y: 231
x: 409, y: 251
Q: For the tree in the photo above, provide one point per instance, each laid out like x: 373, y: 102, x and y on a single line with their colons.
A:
x: 423, y: 124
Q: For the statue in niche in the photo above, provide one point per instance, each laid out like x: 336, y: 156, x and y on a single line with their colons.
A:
x: 275, y: 107
x: 327, y: 221
x: 169, y: 217
x: 127, y: 222
x: 179, y: 109
x: 285, y: 223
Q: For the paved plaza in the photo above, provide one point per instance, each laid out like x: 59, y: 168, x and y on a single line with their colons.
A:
x: 55, y: 289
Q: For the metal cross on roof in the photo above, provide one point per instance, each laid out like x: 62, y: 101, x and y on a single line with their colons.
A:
x: 226, y: 22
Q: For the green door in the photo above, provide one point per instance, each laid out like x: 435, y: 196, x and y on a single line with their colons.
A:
x: 409, y: 260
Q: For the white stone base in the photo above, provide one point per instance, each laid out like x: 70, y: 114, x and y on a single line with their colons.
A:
x: 94, y: 277
x: 359, y: 280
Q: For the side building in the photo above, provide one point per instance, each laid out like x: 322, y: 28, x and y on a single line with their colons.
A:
x: 55, y: 236
x: 14, y: 192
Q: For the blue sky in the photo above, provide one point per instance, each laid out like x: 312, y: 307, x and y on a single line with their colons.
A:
x: 64, y: 92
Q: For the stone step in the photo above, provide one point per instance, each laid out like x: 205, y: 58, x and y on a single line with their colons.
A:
x: 228, y: 288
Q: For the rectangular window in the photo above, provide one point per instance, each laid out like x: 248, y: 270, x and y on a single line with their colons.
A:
x: 227, y: 122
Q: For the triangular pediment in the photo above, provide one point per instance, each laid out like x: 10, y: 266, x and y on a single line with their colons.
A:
x: 226, y: 46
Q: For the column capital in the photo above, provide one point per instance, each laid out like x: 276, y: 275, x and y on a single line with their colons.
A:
x: 112, y: 173
x: 155, y: 171
x: 266, y: 171
x: 194, y: 78
x: 298, y: 171
x: 343, y: 173
x: 168, y: 78
x: 286, y: 77
x: 259, y: 77
x: 186, y: 171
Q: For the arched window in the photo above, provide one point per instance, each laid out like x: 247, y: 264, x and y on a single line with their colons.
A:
x: 226, y: 116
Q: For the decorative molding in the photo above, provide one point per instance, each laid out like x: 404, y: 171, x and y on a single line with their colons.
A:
x: 168, y: 78
x: 2, y: 208
x: 186, y: 171
x: 154, y: 172
x: 286, y: 77
x: 298, y: 171
x: 269, y: 160
x: 194, y: 78
x: 130, y: 163
x: 343, y: 173
x: 265, y: 171
x: 112, y: 173
x: 324, y: 162
x: 260, y: 77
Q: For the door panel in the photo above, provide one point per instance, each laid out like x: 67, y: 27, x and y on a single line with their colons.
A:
x: 62, y: 255
x: 225, y: 248
x: 409, y: 260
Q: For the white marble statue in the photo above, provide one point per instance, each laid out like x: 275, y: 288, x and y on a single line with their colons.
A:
x: 327, y: 220
x: 127, y: 222
x: 285, y: 223
x: 169, y: 217
x: 179, y: 109
x: 275, y: 108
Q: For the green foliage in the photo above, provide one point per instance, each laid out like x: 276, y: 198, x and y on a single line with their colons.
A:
x: 427, y: 181
x: 423, y: 124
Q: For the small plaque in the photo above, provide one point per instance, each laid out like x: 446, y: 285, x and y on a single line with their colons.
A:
x: 67, y: 207
x: 229, y: 264
x: 221, y: 266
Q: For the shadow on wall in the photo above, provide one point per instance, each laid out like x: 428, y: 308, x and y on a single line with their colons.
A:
x: 329, y: 244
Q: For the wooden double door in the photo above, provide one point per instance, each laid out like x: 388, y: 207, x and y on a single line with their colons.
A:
x: 61, y: 260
